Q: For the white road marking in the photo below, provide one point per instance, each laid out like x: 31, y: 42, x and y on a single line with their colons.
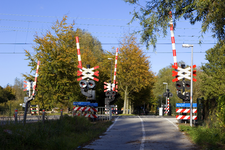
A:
x: 112, y: 124
x: 172, y: 123
x: 143, y: 135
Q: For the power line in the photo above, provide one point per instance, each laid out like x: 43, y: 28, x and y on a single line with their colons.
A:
x: 62, y: 17
x: 12, y: 53
x: 77, y: 24
x: 143, y: 52
x: 29, y: 30
x: 21, y: 28
x: 22, y: 15
x: 101, y: 43
x: 25, y: 21
x: 13, y: 30
x: 172, y: 52
x: 46, y: 29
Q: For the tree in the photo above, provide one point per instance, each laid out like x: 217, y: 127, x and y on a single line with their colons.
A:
x: 144, y: 99
x: 57, y: 53
x: 154, y: 17
x: 3, y: 96
x: 213, y: 82
x: 213, y: 79
x: 6, y: 94
x: 18, y: 89
x: 133, y: 70
x: 197, y: 92
x: 9, y: 92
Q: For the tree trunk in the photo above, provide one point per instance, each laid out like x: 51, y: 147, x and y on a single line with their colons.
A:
x: 127, y: 105
x: 125, y: 101
x: 130, y: 107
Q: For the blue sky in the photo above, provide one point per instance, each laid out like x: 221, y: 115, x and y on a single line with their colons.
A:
x: 105, y: 19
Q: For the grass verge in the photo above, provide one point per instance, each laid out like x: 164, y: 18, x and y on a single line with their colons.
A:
x: 206, y: 138
x: 127, y: 115
x: 66, y: 133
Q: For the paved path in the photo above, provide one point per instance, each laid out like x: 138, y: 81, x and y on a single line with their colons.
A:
x: 142, y: 133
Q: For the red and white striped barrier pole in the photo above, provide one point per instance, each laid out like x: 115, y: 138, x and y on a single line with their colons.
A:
x: 35, y: 80
x: 173, y: 42
x: 78, y: 53
x: 114, y: 79
x: 168, y: 104
x: 167, y: 109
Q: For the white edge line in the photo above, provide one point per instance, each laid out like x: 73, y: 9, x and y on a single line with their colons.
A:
x: 112, y: 124
x: 143, y: 135
x: 172, y: 123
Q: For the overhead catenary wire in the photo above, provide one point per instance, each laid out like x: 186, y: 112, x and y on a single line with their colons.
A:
x: 39, y: 30
x: 39, y: 16
x: 104, y: 43
x: 110, y: 44
x: 85, y: 24
x: 26, y: 29
x: 47, y: 29
x: 62, y: 17
x: 165, y: 52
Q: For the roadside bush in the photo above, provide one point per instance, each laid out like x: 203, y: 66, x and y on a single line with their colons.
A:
x: 207, y: 138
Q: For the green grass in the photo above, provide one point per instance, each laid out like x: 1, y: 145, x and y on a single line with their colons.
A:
x: 127, y: 115
x: 67, y: 133
x: 206, y: 138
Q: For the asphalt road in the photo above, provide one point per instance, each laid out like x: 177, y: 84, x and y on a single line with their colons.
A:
x: 142, y: 133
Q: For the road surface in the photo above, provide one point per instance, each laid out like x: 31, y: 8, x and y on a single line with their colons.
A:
x: 142, y: 133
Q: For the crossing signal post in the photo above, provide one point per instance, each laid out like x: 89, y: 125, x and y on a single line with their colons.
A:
x: 167, y: 94
x: 87, y: 89
x: 110, y: 88
x: 28, y: 86
x: 87, y: 86
x: 110, y: 97
x: 107, y: 86
x: 182, y: 85
x: 182, y: 77
x: 110, y: 94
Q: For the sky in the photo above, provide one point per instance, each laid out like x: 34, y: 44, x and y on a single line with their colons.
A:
x: 107, y: 20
